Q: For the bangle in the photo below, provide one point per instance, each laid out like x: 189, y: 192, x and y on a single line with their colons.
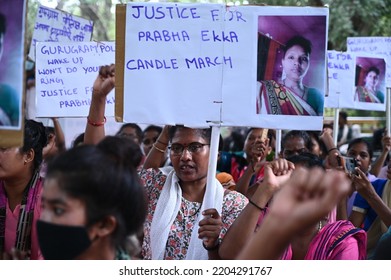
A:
x: 215, y: 247
x: 96, y: 123
x: 160, y: 150
x: 166, y: 144
x: 253, y: 203
x: 332, y: 149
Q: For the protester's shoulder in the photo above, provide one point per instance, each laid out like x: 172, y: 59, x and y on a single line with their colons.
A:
x: 152, y: 174
x: 379, y: 184
x: 315, y: 94
x: 235, y: 198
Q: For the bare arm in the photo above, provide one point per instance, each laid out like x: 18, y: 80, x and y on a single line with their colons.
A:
x: 366, y: 190
x: 159, y: 148
x: 60, y: 138
x: 333, y: 152
x: 244, y: 226
x: 255, y: 164
x: 103, y: 84
x: 378, y: 164
x: 306, y: 198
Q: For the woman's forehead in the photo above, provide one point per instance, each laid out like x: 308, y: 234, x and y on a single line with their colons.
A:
x: 359, y: 147
x: 185, y: 132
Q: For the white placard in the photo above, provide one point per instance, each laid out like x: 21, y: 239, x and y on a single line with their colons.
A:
x: 373, y: 45
x: 65, y: 73
x: 52, y: 25
x: 176, y: 61
x: 341, y: 69
x: 275, y: 26
x: 197, y: 63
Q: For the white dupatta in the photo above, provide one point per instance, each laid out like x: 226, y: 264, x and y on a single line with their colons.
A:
x: 167, y: 209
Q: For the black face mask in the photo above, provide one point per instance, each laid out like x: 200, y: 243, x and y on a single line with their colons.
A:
x: 59, y: 242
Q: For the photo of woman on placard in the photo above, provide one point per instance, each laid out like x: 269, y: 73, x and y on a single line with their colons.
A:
x: 11, y: 63
x: 367, y: 85
x: 284, y: 87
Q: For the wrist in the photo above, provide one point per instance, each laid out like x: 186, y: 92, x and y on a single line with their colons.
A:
x: 212, y: 248
x: 162, y: 142
x: 98, y: 96
x: 96, y: 123
x: 332, y: 150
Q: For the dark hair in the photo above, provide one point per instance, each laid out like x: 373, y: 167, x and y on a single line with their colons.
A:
x: 306, y: 159
x: 373, y: 69
x: 343, y: 115
x: 361, y: 140
x: 298, y: 41
x: 298, y: 134
x: 108, y: 184
x: 156, y: 128
x: 50, y: 130
x: 121, y: 150
x: 139, y: 132
x: 78, y: 140
x: 205, y: 133
x: 271, y: 134
x: 315, y: 135
x: 35, y: 138
x: 328, y: 125
x: 3, y: 24
x: 377, y: 139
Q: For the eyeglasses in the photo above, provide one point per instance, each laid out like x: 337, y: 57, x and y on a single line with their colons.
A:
x: 193, y: 148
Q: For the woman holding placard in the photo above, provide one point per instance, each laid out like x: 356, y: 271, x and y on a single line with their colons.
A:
x: 290, y: 96
x: 186, y: 219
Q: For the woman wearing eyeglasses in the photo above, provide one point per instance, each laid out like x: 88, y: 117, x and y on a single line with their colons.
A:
x: 178, y: 225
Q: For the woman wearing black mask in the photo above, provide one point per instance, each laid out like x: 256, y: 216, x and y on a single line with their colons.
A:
x: 92, y: 202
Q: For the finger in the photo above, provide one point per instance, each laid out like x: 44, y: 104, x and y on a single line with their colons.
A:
x: 210, y: 228
x: 268, y: 171
x: 209, y: 234
x: 313, y: 184
x: 334, y: 192
x: 212, y: 212
x: 291, y: 165
x: 209, y: 221
x: 112, y: 69
x: 295, y: 184
x: 360, y: 173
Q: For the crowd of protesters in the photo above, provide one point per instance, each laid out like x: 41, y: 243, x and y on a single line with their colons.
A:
x: 145, y: 194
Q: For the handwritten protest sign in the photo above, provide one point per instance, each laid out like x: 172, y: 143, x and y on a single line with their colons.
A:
x: 373, y: 45
x: 197, y: 63
x: 53, y: 25
x: 65, y: 73
x: 341, y: 69
x: 176, y: 56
